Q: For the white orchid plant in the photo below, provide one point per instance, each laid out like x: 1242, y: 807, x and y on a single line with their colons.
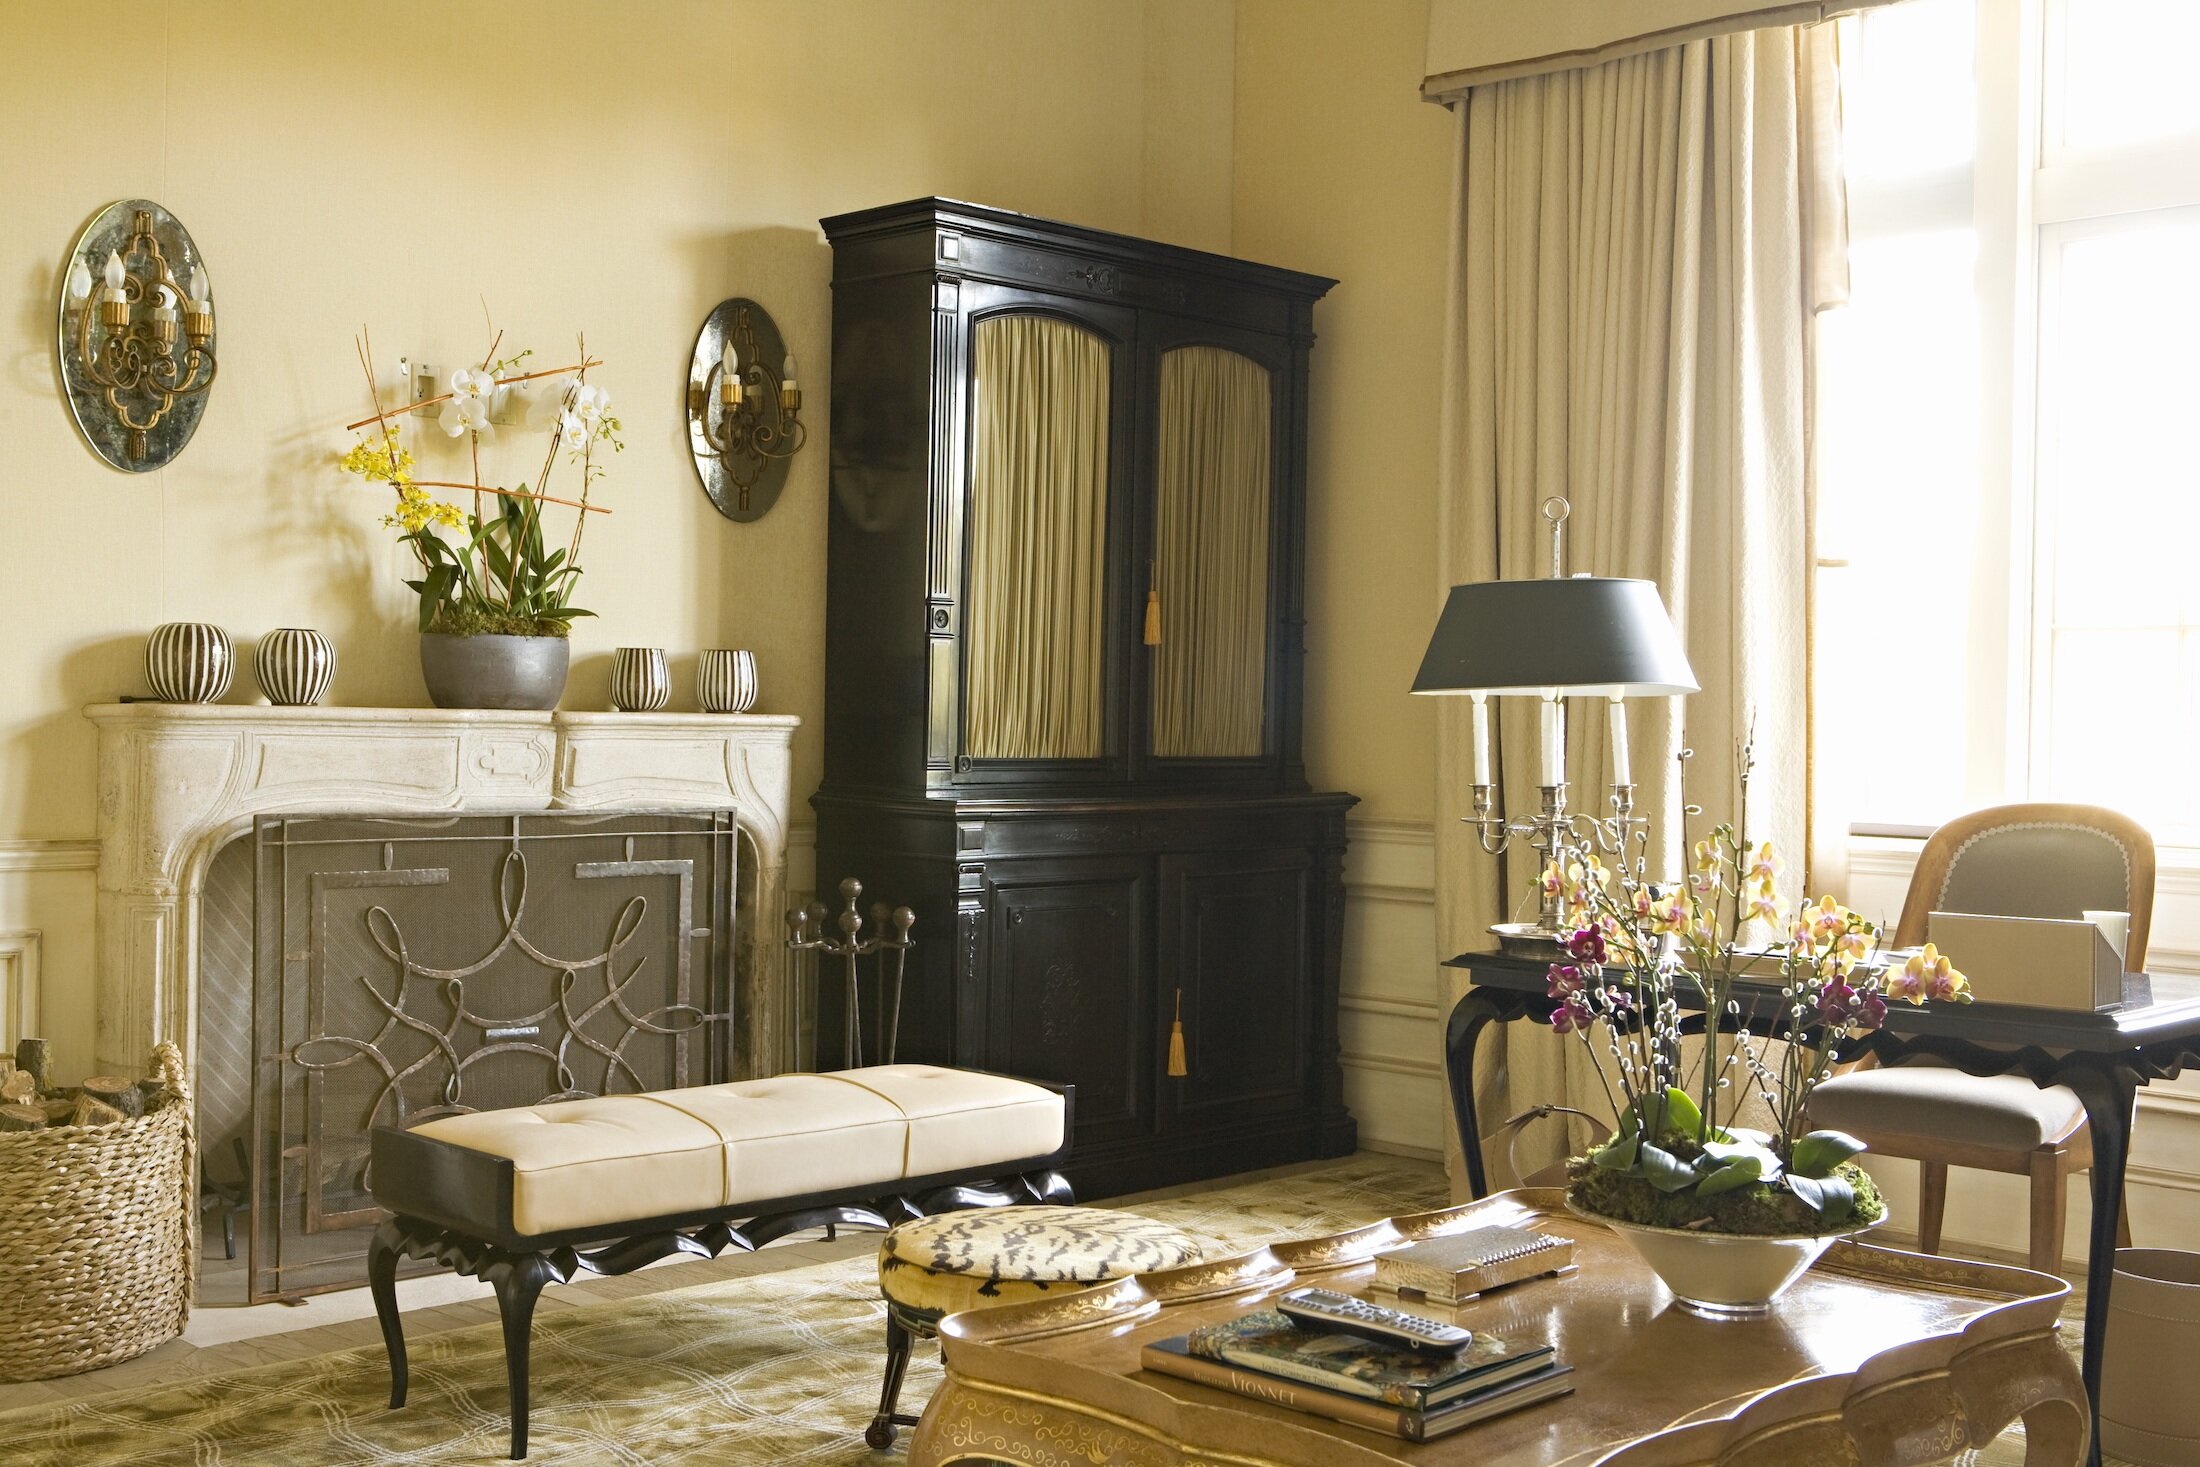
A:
x: 496, y: 574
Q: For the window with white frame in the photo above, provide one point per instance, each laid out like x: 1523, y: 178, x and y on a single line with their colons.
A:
x: 2009, y: 507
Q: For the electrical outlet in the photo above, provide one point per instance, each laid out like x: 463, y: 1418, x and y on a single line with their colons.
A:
x: 427, y: 381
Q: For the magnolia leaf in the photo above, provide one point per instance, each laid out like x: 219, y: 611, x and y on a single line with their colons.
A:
x: 1817, y: 1154
x: 1662, y: 1169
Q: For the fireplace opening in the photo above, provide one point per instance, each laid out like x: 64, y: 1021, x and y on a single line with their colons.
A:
x: 361, y: 971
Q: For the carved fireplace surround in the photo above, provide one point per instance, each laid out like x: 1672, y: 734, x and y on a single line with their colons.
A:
x: 179, y: 781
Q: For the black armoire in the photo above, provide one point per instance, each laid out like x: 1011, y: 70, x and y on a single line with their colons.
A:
x: 1064, y: 636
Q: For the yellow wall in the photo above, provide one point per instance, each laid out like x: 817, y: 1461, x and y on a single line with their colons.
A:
x: 1343, y: 170
x: 609, y: 168
x: 588, y: 167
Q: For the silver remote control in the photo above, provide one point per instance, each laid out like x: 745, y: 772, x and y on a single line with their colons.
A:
x: 1326, y: 1309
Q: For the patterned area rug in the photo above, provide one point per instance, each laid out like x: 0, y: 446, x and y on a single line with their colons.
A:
x: 781, y: 1368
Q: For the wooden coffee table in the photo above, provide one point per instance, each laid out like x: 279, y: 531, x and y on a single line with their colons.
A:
x: 1874, y: 1358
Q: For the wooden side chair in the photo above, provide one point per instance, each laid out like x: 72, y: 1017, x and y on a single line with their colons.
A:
x: 2033, y: 860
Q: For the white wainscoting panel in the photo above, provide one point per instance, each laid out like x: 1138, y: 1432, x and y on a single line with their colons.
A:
x: 1987, y: 1211
x: 48, y: 893
x: 1392, y: 993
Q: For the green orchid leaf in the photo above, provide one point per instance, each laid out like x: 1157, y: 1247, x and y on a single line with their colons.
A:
x: 1630, y: 1121
x: 1680, y: 1114
x: 1817, y: 1154
x: 1663, y: 1170
x: 1764, y: 1161
x: 1829, y: 1197
x: 1738, y: 1173
x: 1618, y: 1154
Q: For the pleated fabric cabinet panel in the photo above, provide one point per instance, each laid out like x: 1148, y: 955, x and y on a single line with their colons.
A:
x: 1038, y: 539
x: 1211, y: 555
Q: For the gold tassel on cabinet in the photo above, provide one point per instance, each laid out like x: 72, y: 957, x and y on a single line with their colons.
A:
x: 1153, y: 620
x: 1176, y: 1033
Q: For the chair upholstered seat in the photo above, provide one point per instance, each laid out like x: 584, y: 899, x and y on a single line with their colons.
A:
x: 937, y: 1266
x: 1936, y: 1104
x: 587, y: 1163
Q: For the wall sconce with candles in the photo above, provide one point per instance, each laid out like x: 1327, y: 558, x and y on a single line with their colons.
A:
x: 744, y: 409
x: 136, y: 335
x: 1585, y: 636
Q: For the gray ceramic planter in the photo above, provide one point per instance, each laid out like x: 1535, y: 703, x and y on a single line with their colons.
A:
x: 494, y: 672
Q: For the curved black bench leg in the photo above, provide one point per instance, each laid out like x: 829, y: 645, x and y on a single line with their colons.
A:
x: 518, y: 1284
x: 382, y: 1256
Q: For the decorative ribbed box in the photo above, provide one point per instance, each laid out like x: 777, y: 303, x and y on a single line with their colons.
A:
x: 96, y: 1250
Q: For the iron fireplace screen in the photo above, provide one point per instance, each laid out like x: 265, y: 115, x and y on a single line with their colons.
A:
x: 408, y: 968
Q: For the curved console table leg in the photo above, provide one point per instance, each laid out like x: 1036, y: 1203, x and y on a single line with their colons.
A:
x: 2109, y: 1093
x: 1476, y: 1010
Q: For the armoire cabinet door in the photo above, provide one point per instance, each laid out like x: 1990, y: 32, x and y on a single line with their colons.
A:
x: 1213, y: 497
x: 1047, y: 458
x: 1234, y: 943
x: 1068, y: 941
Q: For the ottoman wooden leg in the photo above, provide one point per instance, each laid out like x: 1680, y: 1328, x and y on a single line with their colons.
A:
x: 382, y: 1256
x: 879, y: 1435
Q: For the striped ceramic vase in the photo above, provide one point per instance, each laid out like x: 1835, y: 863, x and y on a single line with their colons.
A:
x: 725, y: 681
x: 189, y: 662
x: 640, y: 680
x: 295, y: 665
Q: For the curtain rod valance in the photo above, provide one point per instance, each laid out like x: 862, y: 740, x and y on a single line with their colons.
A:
x: 1471, y: 42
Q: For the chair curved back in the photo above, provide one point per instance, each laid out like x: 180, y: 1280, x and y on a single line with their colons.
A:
x: 2036, y: 860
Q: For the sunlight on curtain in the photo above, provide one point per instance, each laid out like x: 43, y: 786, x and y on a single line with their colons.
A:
x: 1211, y: 555
x: 1038, y: 532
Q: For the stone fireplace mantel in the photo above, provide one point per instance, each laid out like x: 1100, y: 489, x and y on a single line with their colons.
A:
x: 179, y: 781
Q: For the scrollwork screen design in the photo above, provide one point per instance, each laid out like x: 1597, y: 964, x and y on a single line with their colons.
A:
x: 410, y: 968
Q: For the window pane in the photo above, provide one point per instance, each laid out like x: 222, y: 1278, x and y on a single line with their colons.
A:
x: 1908, y: 104
x: 2120, y: 515
x: 1898, y: 443
x: 2120, y: 71
x: 2117, y: 728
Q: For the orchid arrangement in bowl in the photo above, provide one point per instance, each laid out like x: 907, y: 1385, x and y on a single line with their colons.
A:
x: 490, y: 569
x: 1678, y: 1155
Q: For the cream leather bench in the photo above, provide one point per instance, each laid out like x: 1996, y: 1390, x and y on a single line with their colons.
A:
x: 514, y: 1197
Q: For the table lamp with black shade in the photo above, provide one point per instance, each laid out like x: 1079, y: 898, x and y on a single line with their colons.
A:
x: 1564, y: 636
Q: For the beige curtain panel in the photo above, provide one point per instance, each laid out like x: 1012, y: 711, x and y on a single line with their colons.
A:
x: 1211, y: 554
x: 1639, y: 248
x: 1038, y: 533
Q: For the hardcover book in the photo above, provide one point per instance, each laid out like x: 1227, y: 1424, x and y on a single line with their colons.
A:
x: 1545, y: 1381
x: 1269, y: 1343
x: 1452, y: 1268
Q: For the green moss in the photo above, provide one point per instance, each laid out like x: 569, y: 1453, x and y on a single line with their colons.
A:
x: 465, y: 622
x: 1755, y: 1209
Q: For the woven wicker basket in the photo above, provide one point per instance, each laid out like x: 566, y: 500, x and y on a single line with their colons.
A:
x: 95, y: 1237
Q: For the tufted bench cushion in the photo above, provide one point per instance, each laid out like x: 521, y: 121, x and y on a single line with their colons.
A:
x: 586, y: 1164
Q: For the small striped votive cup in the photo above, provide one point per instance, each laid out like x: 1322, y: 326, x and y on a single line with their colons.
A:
x: 295, y: 666
x: 725, y: 680
x: 189, y: 662
x: 641, y: 680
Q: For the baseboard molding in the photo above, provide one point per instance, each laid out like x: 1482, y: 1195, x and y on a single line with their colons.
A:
x: 1400, y: 1148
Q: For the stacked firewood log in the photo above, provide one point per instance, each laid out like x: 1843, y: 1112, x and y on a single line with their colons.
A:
x: 30, y: 1101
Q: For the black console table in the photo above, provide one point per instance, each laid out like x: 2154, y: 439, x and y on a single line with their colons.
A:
x: 2105, y: 1057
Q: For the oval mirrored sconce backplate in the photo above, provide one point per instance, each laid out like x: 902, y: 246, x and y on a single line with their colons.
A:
x: 136, y: 335
x: 744, y: 409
